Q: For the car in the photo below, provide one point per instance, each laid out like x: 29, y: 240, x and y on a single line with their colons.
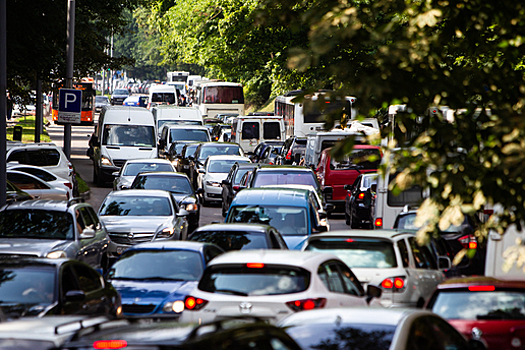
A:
x: 272, y: 284
x: 124, y: 178
x: 291, y: 211
x: 44, y: 175
x: 180, y: 132
x: 53, y: 229
x: 101, y: 101
x: 407, y: 272
x: 136, y: 101
x: 207, y: 149
x: 37, y: 188
x: 270, y: 155
x: 41, y: 287
x: 333, y: 174
x: 263, y: 146
x: 218, y: 129
x: 45, y: 155
x: 228, y: 334
x: 137, y: 216
x: 374, y: 328
x: 231, y: 185
x: 185, y: 159
x: 213, y: 172
x: 14, y: 194
x: 154, y: 277
x: 118, y: 96
x: 293, y: 151
x: 460, y: 237
x: 180, y: 188
x: 359, y: 201
x: 239, y: 236
x: 225, y: 136
x: 483, y: 308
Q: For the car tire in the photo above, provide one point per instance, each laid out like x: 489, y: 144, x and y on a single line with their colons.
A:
x: 353, y: 223
x: 224, y: 209
x: 205, y: 203
x: 347, y: 219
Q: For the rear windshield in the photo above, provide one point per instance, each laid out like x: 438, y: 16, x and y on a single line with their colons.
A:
x: 358, y: 252
x: 217, y: 150
x: 38, y: 224
x: 174, y: 184
x: 358, y: 159
x: 134, y: 168
x: 284, y: 178
x: 41, y: 157
x: 188, y: 135
x: 241, y: 280
x: 135, y: 206
x: 238, y: 176
x: 163, y: 97
x: 27, y: 285
x: 250, y: 130
x: 222, y: 166
x: 495, y: 305
x: 228, y: 240
x: 128, y: 135
x: 345, y: 336
x: 121, y: 92
x: 288, y: 221
x: 272, y: 130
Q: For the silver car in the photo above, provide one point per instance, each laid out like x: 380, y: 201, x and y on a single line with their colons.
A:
x: 53, y: 229
x: 137, y: 216
x: 124, y: 178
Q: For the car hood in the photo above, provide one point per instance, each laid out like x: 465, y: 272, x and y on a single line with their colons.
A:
x: 152, y: 291
x: 295, y: 242
x: 215, y: 177
x: 184, y: 198
x: 27, y: 246
x: 17, y: 310
x: 134, y: 223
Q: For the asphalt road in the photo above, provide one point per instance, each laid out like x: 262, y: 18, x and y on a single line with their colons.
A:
x: 80, y: 136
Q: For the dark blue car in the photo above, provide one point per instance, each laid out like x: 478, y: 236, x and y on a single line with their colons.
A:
x: 136, y: 101
x: 154, y: 278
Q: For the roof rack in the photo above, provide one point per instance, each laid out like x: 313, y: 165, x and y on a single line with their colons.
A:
x: 75, y: 200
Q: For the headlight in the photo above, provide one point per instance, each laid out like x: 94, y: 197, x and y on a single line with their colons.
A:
x: 166, y: 233
x: 57, y: 254
x: 212, y: 183
x: 192, y: 207
x: 174, y: 306
x: 105, y: 161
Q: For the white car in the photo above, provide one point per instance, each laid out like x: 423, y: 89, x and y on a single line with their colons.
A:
x: 37, y: 188
x: 44, y: 175
x: 272, y: 284
x: 407, y: 273
x: 124, y: 178
x: 216, y: 169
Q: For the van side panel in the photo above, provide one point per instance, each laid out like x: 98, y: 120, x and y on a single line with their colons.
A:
x: 500, y: 245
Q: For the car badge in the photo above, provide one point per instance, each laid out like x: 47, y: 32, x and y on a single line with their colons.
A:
x: 245, y: 308
x: 131, y: 236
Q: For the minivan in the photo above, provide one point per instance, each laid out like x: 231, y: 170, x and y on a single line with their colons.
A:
x: 162, y: 95
x: 170, y: 114
x: 122, y: 133
x: 319, y: 141
x: 249, y: 131
x: 176, y: 133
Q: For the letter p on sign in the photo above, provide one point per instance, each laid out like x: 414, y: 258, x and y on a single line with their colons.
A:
x: 70, y: 100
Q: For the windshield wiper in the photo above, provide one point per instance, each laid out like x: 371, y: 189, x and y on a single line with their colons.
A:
x: 229, y: 291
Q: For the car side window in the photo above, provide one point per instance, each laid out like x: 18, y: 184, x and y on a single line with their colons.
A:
x: 352, y: 284
x: 18, y: 156
x: 210, y: 253
x: 273, y: 241
x: 329, y: 274
x: 432, y: 333
x: 403, y: 250
x: 68, y: 280
x: 87, y: 218
x: 422, y: 256
x: 94, y: 217
x: 88, y: 279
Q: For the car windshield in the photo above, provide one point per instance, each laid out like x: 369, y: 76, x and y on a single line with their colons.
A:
x: 101, y: 99
x: 132, y: 169
x: 216, y: 150
x: 135, y: 206
x: 121, y: 92
x: 27, y: 285
x: 408, y: 222
x: 288, y: 221
x: 238, y: 176
x: 358, y: 159
x: 174, y: 184
x: 346, y: 336
x: 189, y: 135
x: 265, y: 178
x: 232, y: 240
x: 128, y: 135
x: 358, y: 252
x: 161, y: 123
x: 482, y: 305
x: 242, y: 280
x: 181, y: 265
x: 38, y: 224
x: 222, y: 166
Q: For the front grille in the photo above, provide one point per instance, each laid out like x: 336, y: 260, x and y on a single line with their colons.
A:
x: 138, y: 309
x: 17, y: 256
x: 126, y: 238
x: 119, y: 162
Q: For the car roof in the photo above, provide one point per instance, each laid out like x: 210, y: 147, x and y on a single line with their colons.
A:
x: 235, y: 227
x: 275, y: 257
x: 171, y: 245
x: 464, y: 282
x: 48, y: 204
x: 269, y: 196
x: 141, y: 193
x: 33, y: 262
x: 228, y: 157
x: 185, y: 126
x: 247, y: 165
x: 380, y: 234
x: 148, y: 161
x: 280, y: 168
x: 162, y: 173
x: 215, y: 143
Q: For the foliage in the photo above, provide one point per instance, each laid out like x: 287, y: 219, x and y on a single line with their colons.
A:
x: 27, y: 122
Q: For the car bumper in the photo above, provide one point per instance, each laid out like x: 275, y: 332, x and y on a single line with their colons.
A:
x: 212, y: 193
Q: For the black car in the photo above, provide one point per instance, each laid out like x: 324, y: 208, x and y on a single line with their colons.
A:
x: 175, y: 152
x: 270, y: 154
x: 206, y: 149
x: 240, y: 236
x: 185, y: 159
x: 217, y: 130
x: 359, y: 201
x: 41, y: 287
x: 118, y: 96
x: 227, y: 334
x: 293, y: 150
x: 180, y: 187
x: 259, y: 151
x: 230, y: 186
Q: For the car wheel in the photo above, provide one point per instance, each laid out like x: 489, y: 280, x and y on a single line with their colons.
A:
x: 224, y: 210
x: 205, y: 203
x: 353, y: 223
x: 347, y: 219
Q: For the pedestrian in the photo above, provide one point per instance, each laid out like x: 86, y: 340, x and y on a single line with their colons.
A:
x: 9, y: 106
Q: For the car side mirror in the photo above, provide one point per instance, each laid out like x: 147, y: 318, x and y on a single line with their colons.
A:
x: 199, y: 191
x: 88, y: 233
x: 201, y: 171
x: 183, y: 212
x: 75, y: 295
x: 329, y: 207
x: 116, y: 173
x: 322, y: 214
x: 373, y: 188
x: 444, y: 263
x: 349, y: 187
x: 322, y: 228
x: 373, y: 292
x: 225, y: 182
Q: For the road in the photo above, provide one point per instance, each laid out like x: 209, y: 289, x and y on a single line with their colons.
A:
x: 80, y: 136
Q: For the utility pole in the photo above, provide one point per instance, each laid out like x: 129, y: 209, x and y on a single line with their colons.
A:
x: 69, y: 68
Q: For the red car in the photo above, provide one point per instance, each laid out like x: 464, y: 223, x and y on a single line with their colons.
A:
x: 334, y: 174
x: 484, y: 308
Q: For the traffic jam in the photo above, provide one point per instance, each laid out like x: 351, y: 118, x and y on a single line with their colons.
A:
x: 142, y: 271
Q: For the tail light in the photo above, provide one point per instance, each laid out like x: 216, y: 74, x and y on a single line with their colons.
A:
x: 289, y: 154
x: 361, y: 196
x: 194, y: 304
x: 395, y: 284
x: 481, y: 288
x: 378, y: 223
x: 468, y: 241
x: 68, y: 185
x: 306, y: 304
x: 110, y: 344
x: 255, y: 265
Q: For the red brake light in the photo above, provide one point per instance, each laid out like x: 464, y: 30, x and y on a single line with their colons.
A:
x: 361, y: 196
x: 387, y: 284
x: 306, y: 304
x: 192, y: 303
x: 481, y: 288
x: 396, y: 284
x: 255, y: 265
x: 68, y: 185
x: 289, y: 154
x: 378, y: 222
x: 468, y: 241
x: 472, y: 245
x: 349, y: 240
x: 110, y: 344
x: 399, y: 283
x: 236, y: 187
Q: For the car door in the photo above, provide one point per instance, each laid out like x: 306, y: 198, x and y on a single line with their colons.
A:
x: 92, y: 285
x: 432, y: 333
x: 341, y: 295
x: 425, y: 268
x: 91, y: 249
x: 35, y: 187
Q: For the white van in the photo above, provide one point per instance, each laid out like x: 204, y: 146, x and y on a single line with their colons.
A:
x: 164, y: 114
x: 122, y: 133
x: 162, y: 95
x: 318, y: 141
x: 249, y: 131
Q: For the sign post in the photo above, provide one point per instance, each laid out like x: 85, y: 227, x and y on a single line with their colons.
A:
x: 69, y: 106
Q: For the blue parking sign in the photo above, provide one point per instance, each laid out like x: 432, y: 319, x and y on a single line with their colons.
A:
x: 69, y: 105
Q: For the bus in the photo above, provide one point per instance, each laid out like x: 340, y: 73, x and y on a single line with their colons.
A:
x: 303, y: 118
x: 213, y: 98
x: 178, y: 77
x: 88, y: 102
